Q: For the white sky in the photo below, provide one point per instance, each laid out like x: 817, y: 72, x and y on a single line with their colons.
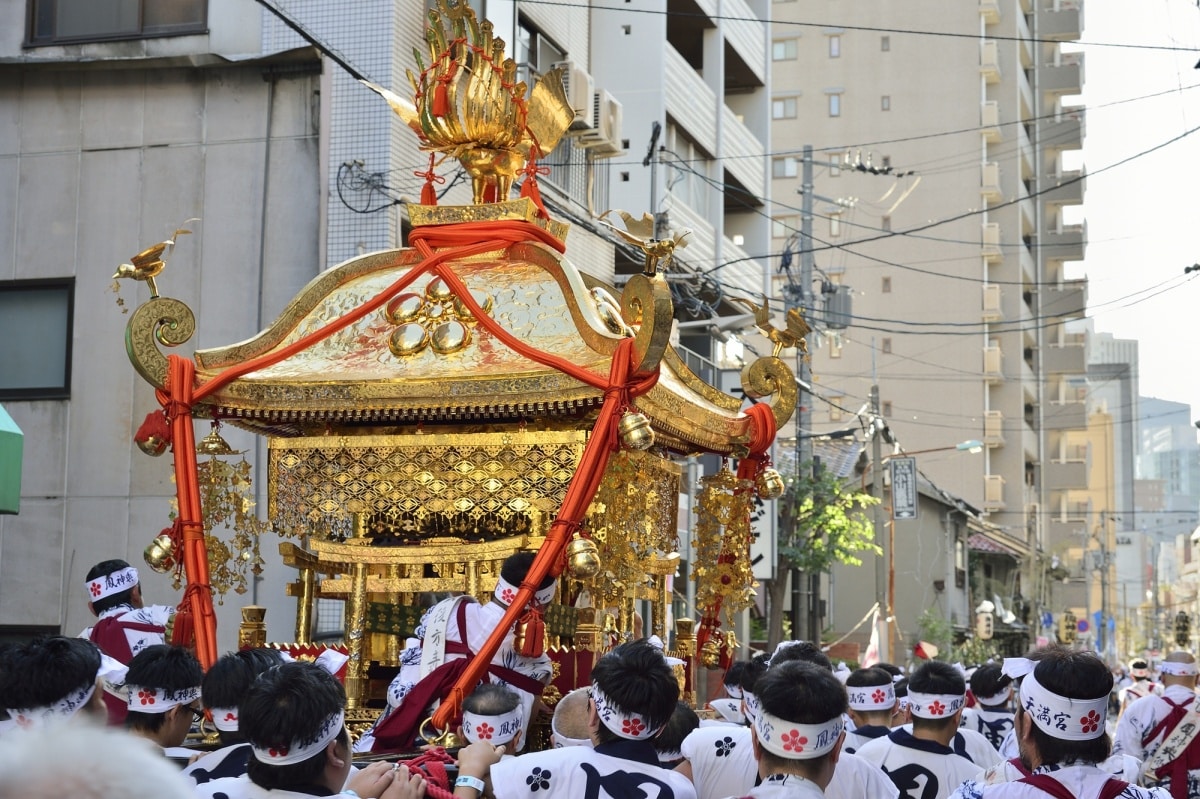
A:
x: 1143, y: 217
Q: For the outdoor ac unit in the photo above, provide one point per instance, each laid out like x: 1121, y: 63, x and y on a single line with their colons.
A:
x: 578, y: 86
x: 604, y: 140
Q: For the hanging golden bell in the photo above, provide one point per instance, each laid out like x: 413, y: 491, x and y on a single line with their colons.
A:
x: 635, y: 431
x: 710, y: 654
x: 770, y: 484
x: 215, y: 444
x: 160, y: 555
x: 583, y: 559
x: 152, y: 445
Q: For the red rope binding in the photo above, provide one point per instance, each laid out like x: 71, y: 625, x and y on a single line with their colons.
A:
x: 428, y: 194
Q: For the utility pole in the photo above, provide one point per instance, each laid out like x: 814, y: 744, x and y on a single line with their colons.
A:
x: 881, y: 539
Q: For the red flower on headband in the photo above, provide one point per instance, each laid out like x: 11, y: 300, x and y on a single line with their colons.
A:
x: 94, y: 588
x: 484, y: 731
x: 508, y: 595
x: 24, y: 721
x: 878, y: 696
x: 632, y: 726
x: 937, y: 708
x: 793, y: 741
x: 1090, y: 722
x: 230, y: 717
x: 147, y: 697
x: 278, y: 752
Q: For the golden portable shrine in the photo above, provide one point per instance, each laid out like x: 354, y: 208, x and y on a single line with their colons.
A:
x: 432, y: 409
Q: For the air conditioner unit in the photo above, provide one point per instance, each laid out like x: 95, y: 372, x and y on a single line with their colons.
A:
x: 578, y: 86
x: 604, y: 140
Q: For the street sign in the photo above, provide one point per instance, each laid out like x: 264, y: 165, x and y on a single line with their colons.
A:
x: 904, y: 488
x: 1082, y: 626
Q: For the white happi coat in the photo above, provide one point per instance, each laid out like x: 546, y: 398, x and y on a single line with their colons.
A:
x: 1131, y: 693
x: 920, y: 769
x: 856, y: 738
x: 723, y: 764
x: 577, y: 772
x: 1141, y: 718
x: 786, y: 786
x: 156, y: 615
x: 228, y: 761
x: 971, y: 745
x: 242, y: 788
x: 992, y: 724
x: 1084, y: 782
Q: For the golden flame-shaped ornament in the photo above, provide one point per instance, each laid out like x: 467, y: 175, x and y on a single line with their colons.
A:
x: 160, y: 555
x: 583, y: 559
x: 635, y: 431
x: 710, y: 654
x: 770, y: 484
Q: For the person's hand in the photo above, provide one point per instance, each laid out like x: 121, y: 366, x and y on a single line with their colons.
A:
x: 196, y: 757
x: 476, y: 759
x: 371, y: 781
x: 540, y: 708
x: 406, y: 783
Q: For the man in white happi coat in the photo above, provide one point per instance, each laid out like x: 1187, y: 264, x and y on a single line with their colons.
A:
x: 633, y: 696
x: 992, y: 716
x: 922, y: 763
x: 720, y: 761
x: 453, y: 630
x: 1142, y: 685
x: 294, y: 719
x: 53, y: 680
x: 163, y: 687
x: 1171, y: 721
x: 872, y: 698
x: 1062, y: 705
x: 798, y: 731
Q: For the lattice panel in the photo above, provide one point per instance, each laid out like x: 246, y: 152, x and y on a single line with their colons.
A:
x: 477, y: 485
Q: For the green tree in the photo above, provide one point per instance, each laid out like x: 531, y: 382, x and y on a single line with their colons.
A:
x: 822, y: 521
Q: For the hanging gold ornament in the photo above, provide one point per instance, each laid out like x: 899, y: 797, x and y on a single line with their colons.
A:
x: 160, y: 555
x: 723, y: 574
x: 152, y: 445
x: 635, y: 431
x: 710, y: 654
x: 583, y: 559
x: 770, y: 484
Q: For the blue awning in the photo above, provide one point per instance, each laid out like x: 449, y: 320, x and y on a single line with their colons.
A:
x: 12, y: 443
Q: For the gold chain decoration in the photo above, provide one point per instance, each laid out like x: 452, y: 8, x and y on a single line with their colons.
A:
x: 723, y: 524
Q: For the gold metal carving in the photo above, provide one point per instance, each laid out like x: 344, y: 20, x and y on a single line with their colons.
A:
x: 646, y: 305
x: 150, y: 262
x: 521, y: 209
x: 793, y: 335
x: 723, y: 573
x: 641, y: 234
x: 772, y: 377
x: 163, y: 321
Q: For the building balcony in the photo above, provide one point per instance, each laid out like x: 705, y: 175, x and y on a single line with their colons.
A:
x: 741, y: 271
x: 989, y: 182
x: 1064, y: 188
x: 1066, y: 301
x: 989, y: 60
x: 1065, y: 359
x: 702, y: 241
x: 1065, y: 475
x: 989, y: 121
x: 1065, y: 415
x: 1029, y: 442
x: 1065, y: 528
x: 993, y: 364
x: 1067, y: 244
x: 993, y: 428
x: 1064, y: 132
x: 742, y: 152
x: 1063, y: 77
x: 746, y: 35
x: 991, y: 242
x: 990, y: 11
x: 993, y: 492
x: 992, y: 309
x: 689, y: 100
x: 1060, y: 21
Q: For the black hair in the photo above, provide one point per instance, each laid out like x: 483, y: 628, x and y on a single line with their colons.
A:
x: 901, y: 687
x: 753, y: 670
x: 936, y: 677
x: 1074, y: 675
x: 103, y: 569
x: 636, y: 679
x: 490, y: 699
x: 890, y: 668
x: 285, y: 705
x: 682, y: 722
x: 45, y: 670
x: 517, y: 565
x: 988, y: 680
x: 167, y: 668
x: 804, y: 652
x: 733, y: 674
x: 871, y: 675
x: 227, y: 681
x: 802, y: 693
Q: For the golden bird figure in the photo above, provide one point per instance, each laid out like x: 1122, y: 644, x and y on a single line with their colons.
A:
x: 640, y: 233
x: 794, y: 334
x: 149, y: 263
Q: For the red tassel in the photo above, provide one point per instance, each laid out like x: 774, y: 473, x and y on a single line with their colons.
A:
x: 530, y: 639
x: 530, y: 189
x: 428, y: 195
x: 154, y: 436
x: 441, y: 94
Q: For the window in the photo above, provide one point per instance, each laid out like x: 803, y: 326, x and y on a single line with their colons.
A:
x: 58, y: 21
x: 783, y: 167
x: 784, y: 226
x: 835, y: 347
x: 835, y: 225
x: 885, y: 103
x: 835, y: 408
x: 784, y: 50
x: 886, y: 345
x: 835, y: 46
x: 886, y: 286
x: 885, y: 408
x: 783, y: 108
x: 835, y: 104
x: 835, y: 166
x: 535, y: 52
x: 35, y: 326
x: 885, y: 43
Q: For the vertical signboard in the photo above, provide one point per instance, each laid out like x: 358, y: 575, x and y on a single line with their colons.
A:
x: 904, y: 488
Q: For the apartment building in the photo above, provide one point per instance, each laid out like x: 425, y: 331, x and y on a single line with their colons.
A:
x: 938, y: 196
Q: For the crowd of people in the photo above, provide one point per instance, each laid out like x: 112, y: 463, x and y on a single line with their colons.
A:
x: 789, y: 726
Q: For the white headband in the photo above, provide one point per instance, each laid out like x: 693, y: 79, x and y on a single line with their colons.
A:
x: 561, y: 741
x: 145, y: 699
x: 1177, y: 669
x: 225, y: 719
x: 506, y: 592
x: 734, y: 691
x: 934, y: 706
x: 111, y: 670
x: 632, y: 726
x: 998, y: 699
x: 298, y: 752
x: 729, y: 709
x: 871, y: 697
x: 795, y: 741
x: 1058, y: 716
x: 670, y: 757
x: 495, y: 730
x: 750, y: 705
x: 108, y: 584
